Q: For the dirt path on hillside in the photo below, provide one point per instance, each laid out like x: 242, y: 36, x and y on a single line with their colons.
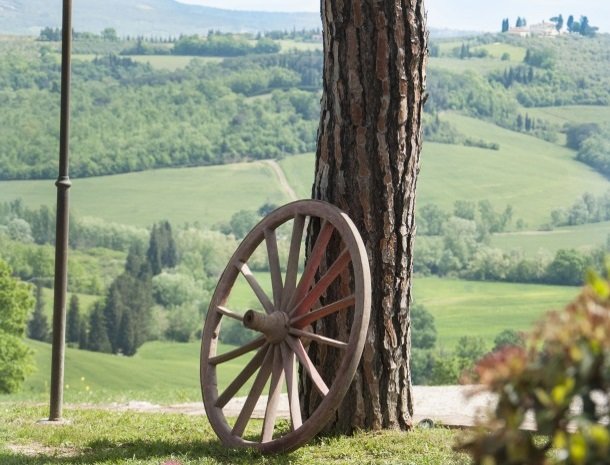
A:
x: 281, y: 177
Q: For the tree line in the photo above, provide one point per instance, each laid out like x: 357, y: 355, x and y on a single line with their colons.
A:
x: 582, y: 27
x: 457, y: 244
x: 130, y: 117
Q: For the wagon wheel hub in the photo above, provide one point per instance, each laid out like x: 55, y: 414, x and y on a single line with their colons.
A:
x: 274, y: 326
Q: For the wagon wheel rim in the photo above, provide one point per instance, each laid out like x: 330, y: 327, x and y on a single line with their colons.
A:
x: 283, y: 324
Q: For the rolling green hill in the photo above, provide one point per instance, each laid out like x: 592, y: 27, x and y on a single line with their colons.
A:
x: 160, y: 372
x: 532, y: 175
x: 582, y: 237
x: 185, y: 195
x: 169, y: 372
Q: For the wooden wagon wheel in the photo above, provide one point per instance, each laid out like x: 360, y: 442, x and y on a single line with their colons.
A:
x: 282, y: 327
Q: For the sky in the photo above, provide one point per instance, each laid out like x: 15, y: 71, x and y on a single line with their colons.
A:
x: 480, y: 15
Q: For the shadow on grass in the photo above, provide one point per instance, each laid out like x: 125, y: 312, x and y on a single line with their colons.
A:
x: 158, y: 452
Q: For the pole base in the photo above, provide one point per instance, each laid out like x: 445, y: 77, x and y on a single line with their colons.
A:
x: 49, y: 422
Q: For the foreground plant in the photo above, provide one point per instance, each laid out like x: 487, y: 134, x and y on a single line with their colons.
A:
x: 563, y: 377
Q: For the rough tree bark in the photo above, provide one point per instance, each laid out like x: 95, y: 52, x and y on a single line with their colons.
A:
x: 367, y: 161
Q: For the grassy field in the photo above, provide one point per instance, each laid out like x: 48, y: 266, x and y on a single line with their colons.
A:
x: 584, y: 237
x: 576, y: 114
x: 478, y: 65
x: 85, y: 302
x: 161, y: 372
x: 532, y: 175
x: 171, y: 62
x: 461, y: 308
x: 103, y: 437
x: 205, y: 195
x: 288, y: 45
x: 484, y: 309
x: 168, y: 372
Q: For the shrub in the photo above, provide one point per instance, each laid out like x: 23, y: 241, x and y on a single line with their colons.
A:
x: 565, y: 363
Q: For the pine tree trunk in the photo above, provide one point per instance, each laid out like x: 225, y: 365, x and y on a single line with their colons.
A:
x: 367, y: 161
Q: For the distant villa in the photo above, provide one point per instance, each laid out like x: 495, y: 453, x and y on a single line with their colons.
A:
x: 541, y: 29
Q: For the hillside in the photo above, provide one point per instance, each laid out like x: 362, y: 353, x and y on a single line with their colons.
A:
x: 147, y: 17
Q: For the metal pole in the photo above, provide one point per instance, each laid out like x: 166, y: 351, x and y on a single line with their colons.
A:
x: 61, y: 242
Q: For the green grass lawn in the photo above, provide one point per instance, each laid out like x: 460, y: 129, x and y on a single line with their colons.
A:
x: 117, y: 438
x: 584, y: 237
x: 162, y: 372
x: 206, y: 195
x: 484, y: 309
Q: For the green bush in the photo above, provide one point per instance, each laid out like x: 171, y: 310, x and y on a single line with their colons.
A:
x: 562, y: 376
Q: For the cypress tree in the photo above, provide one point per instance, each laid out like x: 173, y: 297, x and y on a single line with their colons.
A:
x: 38, y: 326
x: 73, y: 324
x: 82, y: 335
x: 127, y: 335
x: 98, y: 335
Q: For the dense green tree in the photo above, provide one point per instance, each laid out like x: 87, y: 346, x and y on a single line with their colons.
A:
x: 97, y: 339
x: 38, y: 326
x: 465, y: 209
x: 73, y: 321
x: 570, y: 23
x: 83, y: 335
x: 558, y: 20
x: 430, y: 220
x: 161, y: 248
x: 424, y: 329
x: 127, y: 338
x: 16, y: 303
x: 568, y: 268
x: 242, y: 222
x: 508, y: 337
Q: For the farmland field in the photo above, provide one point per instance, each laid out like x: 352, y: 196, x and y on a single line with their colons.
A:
x: 463, y: 308
x: 576, y: 114
x: 205, y: 195
x: 582, y: 237
x: 484, y: 309
x: 532, y: 175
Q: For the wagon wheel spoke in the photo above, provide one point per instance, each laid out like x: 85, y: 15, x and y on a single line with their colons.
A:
x: 230, y: 313
x: 254, y: 394
x: 232, y: 354
x: 313, y: 262
x: 297, y: 347
x: 338, y: 266
x: 318, y: 338
x: 277, y: 379
x: 274, y: 267
x: 258, y: 290
x: 291, y: 386
x: 308, y: 318
x: 242, y: 377
x: 292, y: 267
